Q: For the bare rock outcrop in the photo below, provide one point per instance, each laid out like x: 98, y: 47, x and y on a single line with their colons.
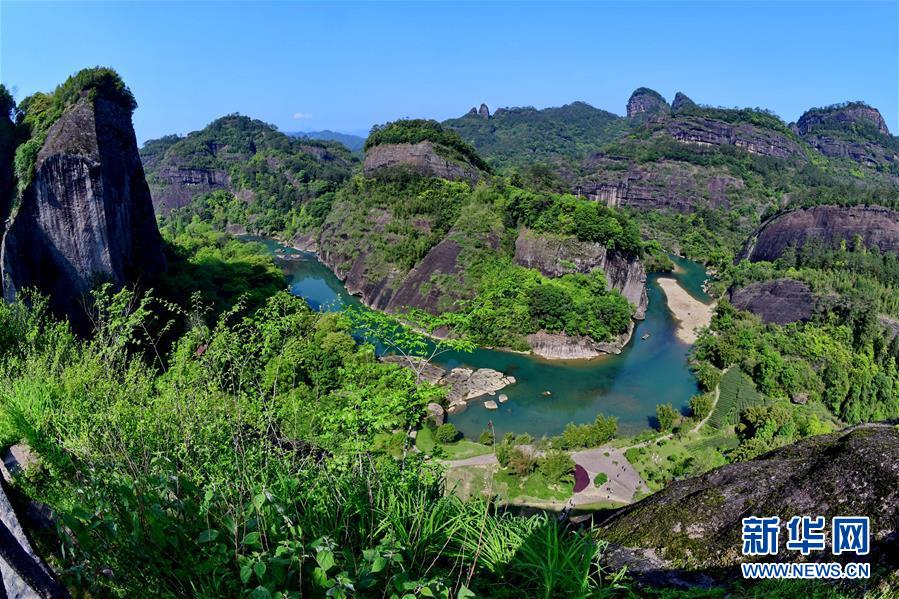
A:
x: 779, y: 301
x: 695, y: 523
x: 87, y: 216
x: 423, y: 157
x: 874, y: 225
x: 755, y: 140
x: 463, y: 384
x: 559, y: 346
x: 556, y: 255
x: 846, y: 115
x: 645, y: 103
x: 664, y: 184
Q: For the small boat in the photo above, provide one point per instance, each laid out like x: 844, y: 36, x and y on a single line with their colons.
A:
x: 645, y: 337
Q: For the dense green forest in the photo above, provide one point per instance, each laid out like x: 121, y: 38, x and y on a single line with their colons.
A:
x: 498, y: 301
x: 517, y: 137
x: 276, y: 184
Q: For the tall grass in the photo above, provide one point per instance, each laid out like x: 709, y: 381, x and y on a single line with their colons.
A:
x: 173, y: 477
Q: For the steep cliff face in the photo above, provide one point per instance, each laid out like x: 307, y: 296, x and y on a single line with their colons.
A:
x: 7, y: 153
x: 877, y: 226
x: 87, y: 216
x: 755, y: 140
x: 696, y: 522
x: 780, y: 301
x: 423, y: 157
x: 666, y: 184
x: 848, y: 115
x: 646, y: 103
x: 556, y: 255
x: 854, y: 131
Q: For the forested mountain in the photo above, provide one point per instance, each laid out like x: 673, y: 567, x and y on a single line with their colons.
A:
x: 244, y: 173
x: 429, y: 227
x: 523, y: 136
x: 215, y: 436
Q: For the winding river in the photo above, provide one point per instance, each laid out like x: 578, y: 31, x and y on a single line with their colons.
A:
x: 629, y: 385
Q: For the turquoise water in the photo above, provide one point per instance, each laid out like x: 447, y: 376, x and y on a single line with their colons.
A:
x: 628, y: 386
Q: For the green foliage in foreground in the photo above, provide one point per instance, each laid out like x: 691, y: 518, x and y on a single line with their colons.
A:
x: 241, y: 469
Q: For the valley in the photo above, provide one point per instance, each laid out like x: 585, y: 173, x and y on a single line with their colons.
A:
x: 246, y: 363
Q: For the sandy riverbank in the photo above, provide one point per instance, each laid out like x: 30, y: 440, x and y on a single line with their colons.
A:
x: 690, y: 313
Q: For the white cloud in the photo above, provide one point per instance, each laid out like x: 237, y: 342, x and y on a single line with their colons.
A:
x: 302, y: 115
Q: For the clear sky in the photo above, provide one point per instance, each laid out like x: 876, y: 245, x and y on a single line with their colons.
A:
x: 345, y: 66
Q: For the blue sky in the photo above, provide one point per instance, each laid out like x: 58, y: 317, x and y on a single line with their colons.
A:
x: 345, y: 66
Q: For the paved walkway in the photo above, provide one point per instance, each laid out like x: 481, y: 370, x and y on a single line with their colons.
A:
x: 624, y: 481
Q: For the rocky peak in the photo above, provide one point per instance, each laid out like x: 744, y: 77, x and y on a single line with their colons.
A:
x: 86, y: 216
x: 646, y: 103
x: 840, y: 116
x: 484, y: 112
x: 681, y: 101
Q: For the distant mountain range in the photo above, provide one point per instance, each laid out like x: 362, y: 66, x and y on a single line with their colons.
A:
x: 353, y: 142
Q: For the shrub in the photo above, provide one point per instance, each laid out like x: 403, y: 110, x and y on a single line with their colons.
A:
x: 446, y: 433
x: 486, y: 437
x: 701, y: 405
x: 557, y: 467
x: 600, y: 479
x: 667, y: 416
x: 596, y: 433
x: 522, y: 461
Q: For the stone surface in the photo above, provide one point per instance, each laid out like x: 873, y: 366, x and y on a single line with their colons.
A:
x: 436, y: 414
x: 491, y: 405
x: 559, y: 346
x: 662, y: 184
x: 15, y: 459
x: 877, y: 226
x: 755, y: 140
x: 87, y: 216
x: 848, y: 115
x: 423, y: 157
x: 484, y: 112
x: 646, y: 103
x: 464, y: 384
x: 556, y: 255
x: 696, y: 522
x: 780, y: 301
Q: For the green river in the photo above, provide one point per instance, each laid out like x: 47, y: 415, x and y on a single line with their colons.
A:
x: 628, y: 386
